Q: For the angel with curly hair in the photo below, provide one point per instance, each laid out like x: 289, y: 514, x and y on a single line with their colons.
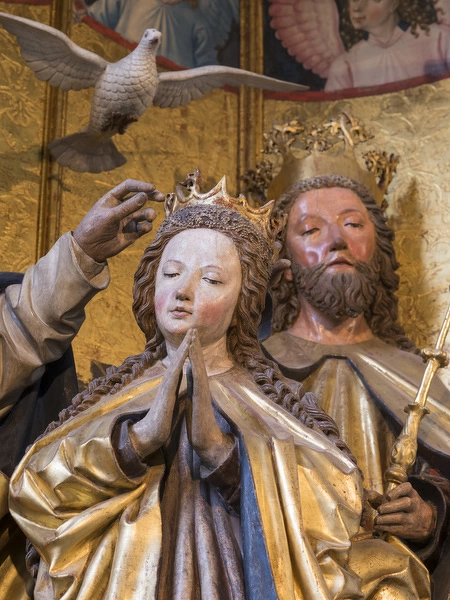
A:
x: 371, y: 43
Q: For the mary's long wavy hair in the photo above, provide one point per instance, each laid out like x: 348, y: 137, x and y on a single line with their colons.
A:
x: 242, y: 337
x: 382, y: 314
x: 418, y: 14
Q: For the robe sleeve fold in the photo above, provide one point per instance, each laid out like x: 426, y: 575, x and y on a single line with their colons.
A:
x: 40, y: 317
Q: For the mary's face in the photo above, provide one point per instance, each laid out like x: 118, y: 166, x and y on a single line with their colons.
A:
x: 371, y: 15
x: 197, y: 286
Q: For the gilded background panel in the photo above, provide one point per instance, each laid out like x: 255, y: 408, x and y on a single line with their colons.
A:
x: 214, y: 133
x: 21, y: 117
x: 162, y: 148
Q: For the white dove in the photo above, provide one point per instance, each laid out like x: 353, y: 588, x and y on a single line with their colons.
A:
x: 123, y: 90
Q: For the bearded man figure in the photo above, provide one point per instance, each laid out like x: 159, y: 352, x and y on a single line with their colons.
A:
x: 335, y: 329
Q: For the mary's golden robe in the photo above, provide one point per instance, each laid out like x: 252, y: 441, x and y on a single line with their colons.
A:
x: 168, y: 531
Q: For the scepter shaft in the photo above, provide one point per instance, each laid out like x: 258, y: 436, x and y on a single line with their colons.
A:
x: 404, y: 449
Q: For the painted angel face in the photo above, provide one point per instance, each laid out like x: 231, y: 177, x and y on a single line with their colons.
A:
x: 330, y: 226
x: 371, y: 15
x: 197, y: 285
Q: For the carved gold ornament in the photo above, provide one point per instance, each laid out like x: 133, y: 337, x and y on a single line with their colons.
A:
x: 267, y: 221
x: 295, y: 153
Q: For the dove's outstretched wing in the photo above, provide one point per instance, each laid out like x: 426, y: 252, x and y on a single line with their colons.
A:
x: 52, y: 55
x: 309, y: 30
x: 219, y: 14
x: 178, y: 88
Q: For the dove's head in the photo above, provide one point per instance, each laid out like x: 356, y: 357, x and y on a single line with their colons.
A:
x: 151, y: 38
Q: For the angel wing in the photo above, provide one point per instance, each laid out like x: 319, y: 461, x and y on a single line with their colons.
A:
x: 52, y: 55
x: 309, y: 30
x: 219, y: 14
x: 444, y: 5
x: 177, y: 88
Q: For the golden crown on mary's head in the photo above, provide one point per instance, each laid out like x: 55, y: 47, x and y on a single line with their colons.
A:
x: 319, y: 151
x: 267, y: 221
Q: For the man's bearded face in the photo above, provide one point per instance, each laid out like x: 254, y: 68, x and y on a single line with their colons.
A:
x: 338, y: 294
x: 333, y: 249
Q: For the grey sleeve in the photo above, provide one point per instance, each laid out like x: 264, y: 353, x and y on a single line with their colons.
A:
x: 40, y: 317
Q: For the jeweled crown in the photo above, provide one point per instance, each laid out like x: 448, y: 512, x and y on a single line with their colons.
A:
x: 267, y: 221
x: 327, y: 149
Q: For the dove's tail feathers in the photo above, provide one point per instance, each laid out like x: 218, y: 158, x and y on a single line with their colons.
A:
x: 86, y: 152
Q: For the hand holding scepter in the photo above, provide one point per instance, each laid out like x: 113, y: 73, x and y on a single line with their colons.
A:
x: 404, y: 450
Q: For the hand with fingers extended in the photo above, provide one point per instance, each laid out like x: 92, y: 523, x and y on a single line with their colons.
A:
x: 405, y: 514
x: 117, y: 221
x: 210, y: 443
x: 153, y: 431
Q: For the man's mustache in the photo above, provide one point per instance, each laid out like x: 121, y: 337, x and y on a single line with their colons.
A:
x: 338, y: 294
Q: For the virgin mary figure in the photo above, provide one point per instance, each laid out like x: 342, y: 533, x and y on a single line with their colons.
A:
x: 195, y: 470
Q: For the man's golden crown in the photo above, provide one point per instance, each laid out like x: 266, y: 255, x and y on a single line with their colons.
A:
x: 319, y: 151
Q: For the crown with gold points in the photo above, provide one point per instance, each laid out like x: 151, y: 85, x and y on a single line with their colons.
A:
x: 267, y: 221
x: 324, y: 150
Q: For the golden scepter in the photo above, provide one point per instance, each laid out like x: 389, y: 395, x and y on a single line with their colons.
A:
x: 404, y: 449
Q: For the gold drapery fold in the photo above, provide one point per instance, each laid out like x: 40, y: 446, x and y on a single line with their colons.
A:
x: 100, y: 531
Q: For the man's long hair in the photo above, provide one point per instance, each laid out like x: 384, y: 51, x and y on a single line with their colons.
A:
x: 382, y: 314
